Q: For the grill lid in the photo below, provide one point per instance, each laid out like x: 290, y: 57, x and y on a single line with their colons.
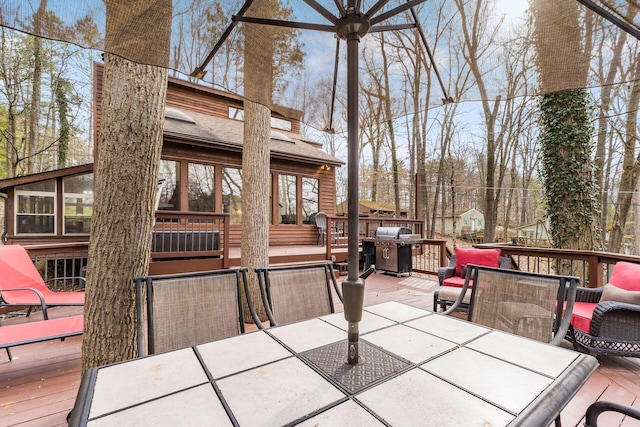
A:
x: 391, y: 232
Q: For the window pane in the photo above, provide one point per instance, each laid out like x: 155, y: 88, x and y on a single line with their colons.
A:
x: 201, y: 188
x: 35, y: 213
x: 232, y: 194
x: 170, y: 196
x: 309, y: 199
x: 78, y: 204
x: 287, y: 199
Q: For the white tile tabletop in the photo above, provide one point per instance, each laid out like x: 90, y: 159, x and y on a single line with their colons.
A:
x: 409, y: 343
x: 121, y: 385
x: 277, y: 393
x: 449, y: 406
x: 396, y: 311
x: 428, y: 370
x: 548, y: 360
x: 448, y: 327
x: 298, y: 336
x: 194, y: 407
x: 347, y: 414
x: 506, y: 385
x: 370, y: 322
x: 227, y: 357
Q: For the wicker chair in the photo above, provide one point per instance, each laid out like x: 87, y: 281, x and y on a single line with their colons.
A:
x: 181, y: 310
x: 451, y: 281
x: 595, y: 409
x: 607, y: 320
x: 536, y: 306
x: 297, y: 292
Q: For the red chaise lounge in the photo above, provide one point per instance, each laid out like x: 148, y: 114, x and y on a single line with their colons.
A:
x: 21, y: 285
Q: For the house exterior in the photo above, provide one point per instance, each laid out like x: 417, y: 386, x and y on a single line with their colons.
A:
x: 201, y: 179
x: 534, y: 234
x: 467, y: 222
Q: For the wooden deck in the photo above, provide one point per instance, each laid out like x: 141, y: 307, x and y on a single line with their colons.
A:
x: 39, y: 386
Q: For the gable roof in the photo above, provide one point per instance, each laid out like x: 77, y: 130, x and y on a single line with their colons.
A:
x: 208, y: 129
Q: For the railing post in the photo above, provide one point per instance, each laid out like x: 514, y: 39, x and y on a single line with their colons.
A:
x: 596, y: 272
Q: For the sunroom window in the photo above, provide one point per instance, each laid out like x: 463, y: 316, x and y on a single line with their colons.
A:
x: 36, y: 207
x: 170, y: 194
x: 232, y: 194
x: 201, y: 187
x: 78, y: 203
x: 309, y: 199
x: 287, y: 190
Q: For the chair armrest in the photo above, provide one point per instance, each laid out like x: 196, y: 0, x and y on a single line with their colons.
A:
x: 588, y: 294
x: 45, y: 315
x: 445, y: 273
x: 617, y: 320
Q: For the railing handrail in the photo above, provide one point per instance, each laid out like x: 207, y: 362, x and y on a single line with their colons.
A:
x: 598, y: 262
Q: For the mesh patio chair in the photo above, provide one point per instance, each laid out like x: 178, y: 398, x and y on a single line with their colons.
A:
x: 531, y: 305
x: 451, y: 278
x: 297, y: 292
x: 182, y: 310
x: 21, y: 284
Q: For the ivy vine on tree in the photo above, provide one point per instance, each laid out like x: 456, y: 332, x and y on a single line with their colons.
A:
x: 567, y: 169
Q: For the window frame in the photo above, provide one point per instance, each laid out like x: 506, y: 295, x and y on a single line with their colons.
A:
x: 54, y: 214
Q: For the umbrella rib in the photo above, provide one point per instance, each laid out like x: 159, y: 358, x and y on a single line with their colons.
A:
x: 612, y: 18
x: 447, y: 99
x: 199, y: 71
x: 381, y: 28
x: 322, y: 11
x: 288, y: 24
x: 396, y: 10
x: 333, y: 90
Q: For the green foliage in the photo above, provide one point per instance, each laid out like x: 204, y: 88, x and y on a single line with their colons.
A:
x: 567, y: 168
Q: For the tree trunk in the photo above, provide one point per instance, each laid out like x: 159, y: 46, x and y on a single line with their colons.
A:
x: 258, y: 87
x: 565, y: 135
x: 126, y: 172
x: 36, y: 88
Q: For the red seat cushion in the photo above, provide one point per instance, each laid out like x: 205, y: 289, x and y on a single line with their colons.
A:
x: 455, y: 282
x: 484, y: 257
x: 582, y: 314
x: 626, y: 275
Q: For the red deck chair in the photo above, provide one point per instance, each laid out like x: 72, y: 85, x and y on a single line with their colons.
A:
x: 40, y: 330
x: 22, y: 286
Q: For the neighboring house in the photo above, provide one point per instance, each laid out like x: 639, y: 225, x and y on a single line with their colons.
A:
x: 369, y: 208
x: 534, y: 234
x: 468, y: 221
x: 201, y: 167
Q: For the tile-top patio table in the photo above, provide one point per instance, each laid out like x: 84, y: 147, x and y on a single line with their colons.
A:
x: 418, y: 368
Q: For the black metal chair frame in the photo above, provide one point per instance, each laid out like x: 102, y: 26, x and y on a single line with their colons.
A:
x: 595, y: 409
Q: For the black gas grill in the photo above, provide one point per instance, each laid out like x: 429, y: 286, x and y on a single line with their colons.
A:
x: 393, y: 249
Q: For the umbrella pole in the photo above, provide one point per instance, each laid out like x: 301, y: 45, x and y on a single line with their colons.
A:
x: 353, y: 286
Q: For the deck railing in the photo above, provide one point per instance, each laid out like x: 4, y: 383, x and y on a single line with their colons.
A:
x: 190, y: 234
x: 592, y: 267
x: 62, y: 265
